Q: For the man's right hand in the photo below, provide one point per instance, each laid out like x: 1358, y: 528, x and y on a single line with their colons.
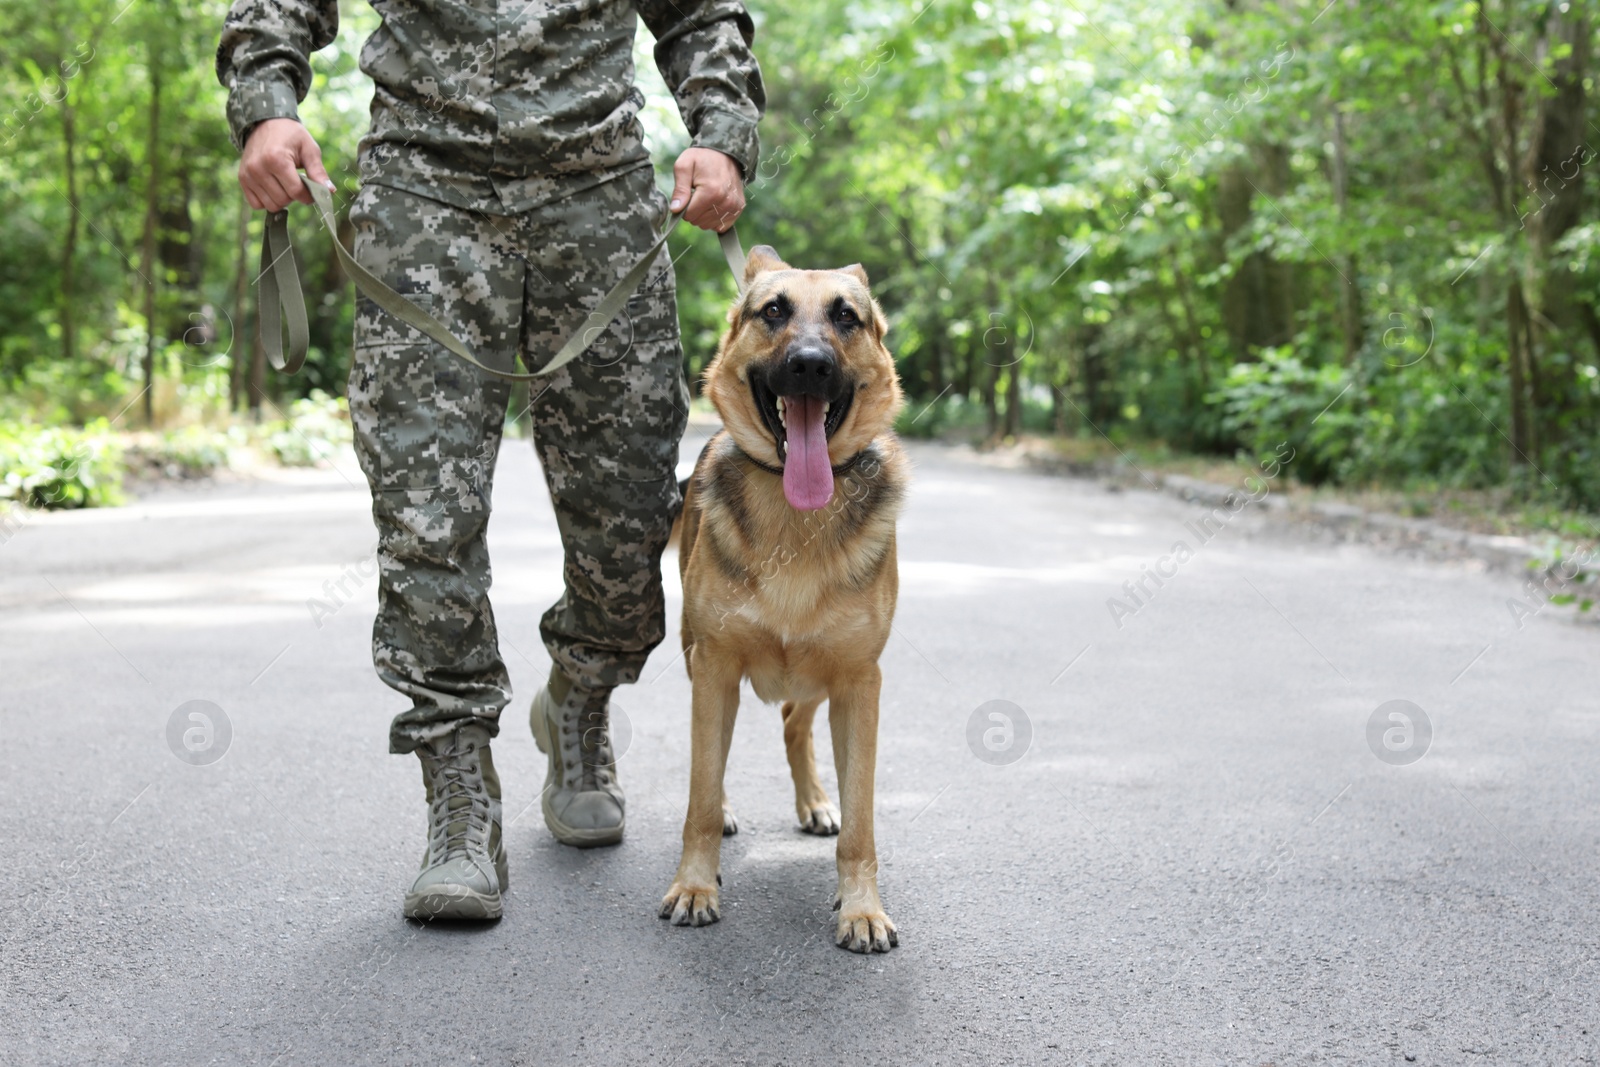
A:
x: 276, y: 149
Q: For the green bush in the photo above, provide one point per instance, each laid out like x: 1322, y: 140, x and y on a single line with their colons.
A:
x: 1376, y: 421
x: 60, y: 467
x: 1280, y: 399
x: 950, y: 417
x: 317, y: 428
x: 190, y: 452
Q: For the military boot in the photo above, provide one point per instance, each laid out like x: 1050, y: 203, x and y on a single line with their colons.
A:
x: 464, y: 869
x: 582, y: 801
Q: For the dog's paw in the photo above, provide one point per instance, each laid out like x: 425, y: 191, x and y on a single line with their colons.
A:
x: 865, y: 931
x: 690, y: 905
x: 819, y: 817
x: 730, y: 825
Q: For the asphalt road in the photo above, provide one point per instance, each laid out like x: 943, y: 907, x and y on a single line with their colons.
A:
x: 1182, y: 849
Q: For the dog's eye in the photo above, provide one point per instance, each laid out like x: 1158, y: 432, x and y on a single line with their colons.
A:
x: 848, y: 314
x: 773, y: 311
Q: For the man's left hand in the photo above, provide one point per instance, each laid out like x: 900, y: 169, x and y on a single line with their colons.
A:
x: 709, y: 183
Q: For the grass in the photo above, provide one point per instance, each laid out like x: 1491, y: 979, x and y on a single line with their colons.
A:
x: 57, y: 467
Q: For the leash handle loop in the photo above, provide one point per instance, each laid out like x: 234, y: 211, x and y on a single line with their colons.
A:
x: 280, y: 289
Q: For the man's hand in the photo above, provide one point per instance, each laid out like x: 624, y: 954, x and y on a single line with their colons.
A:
x: 277, y: 148
x: 709, y: 183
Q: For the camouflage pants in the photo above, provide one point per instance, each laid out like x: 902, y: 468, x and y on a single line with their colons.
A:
x: 428, y: 429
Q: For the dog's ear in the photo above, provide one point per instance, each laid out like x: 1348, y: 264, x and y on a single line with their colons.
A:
x: 858, y: 272
x: 762, y: 258
x: 880, y: 321
x: 880, y: 325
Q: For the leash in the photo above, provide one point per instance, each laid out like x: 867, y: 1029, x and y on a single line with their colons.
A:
x: 283, y: 304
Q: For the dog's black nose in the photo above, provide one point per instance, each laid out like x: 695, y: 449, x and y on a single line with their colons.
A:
x: 808, y: 370
x: 809, y: 363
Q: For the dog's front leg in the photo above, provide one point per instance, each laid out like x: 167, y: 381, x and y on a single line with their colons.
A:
x: 853, y: 719
x: 692, y: 900
x: 817, y: 813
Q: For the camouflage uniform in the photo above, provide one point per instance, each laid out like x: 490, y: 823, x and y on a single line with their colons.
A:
x: 506, y: 187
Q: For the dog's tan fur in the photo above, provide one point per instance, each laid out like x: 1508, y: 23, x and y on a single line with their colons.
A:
x: 799, y: 602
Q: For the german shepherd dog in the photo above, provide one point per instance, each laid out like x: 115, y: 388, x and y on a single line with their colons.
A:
x: 788, y: 564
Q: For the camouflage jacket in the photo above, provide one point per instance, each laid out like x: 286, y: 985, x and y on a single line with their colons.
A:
x: 503, y: 105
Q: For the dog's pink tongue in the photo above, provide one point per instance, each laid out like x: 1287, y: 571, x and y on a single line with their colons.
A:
x: 807, y: 474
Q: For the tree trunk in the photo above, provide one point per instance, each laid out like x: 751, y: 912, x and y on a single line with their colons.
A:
x: 237, y: 346
x: 1257, y: 301
x: 1517, y: 360
x: 1350, y: 326
x: 991, y: 404
x: 1197, y: 346
x: 258, y: 369
x: 181, y: 252
x: 966, y: 382
x: 69, y: 251
x: 933, y: 355
x: 997, y: 350
x: 1092, y: 372
x: 1553, y: 172
x: 1013, y: 425
x: 152, y: 270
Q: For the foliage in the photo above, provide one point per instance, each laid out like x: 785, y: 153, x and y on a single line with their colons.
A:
x: 64, y: 467
x: 1566, y: 573
x: 189, y: 452
x: 1281, y: 400
x: 85, y: 133
x: 1367, y: 230
x: 317, y: 427
x: 59, y: 467
x: 1373, y: 423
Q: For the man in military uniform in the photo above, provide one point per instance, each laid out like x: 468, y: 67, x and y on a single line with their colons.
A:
x: 505, y: 188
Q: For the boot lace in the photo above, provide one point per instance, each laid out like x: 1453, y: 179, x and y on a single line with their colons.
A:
x: 460, y: 811
x: 586, y: 731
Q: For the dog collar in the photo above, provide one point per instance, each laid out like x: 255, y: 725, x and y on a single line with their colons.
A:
x: 842, y: 468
